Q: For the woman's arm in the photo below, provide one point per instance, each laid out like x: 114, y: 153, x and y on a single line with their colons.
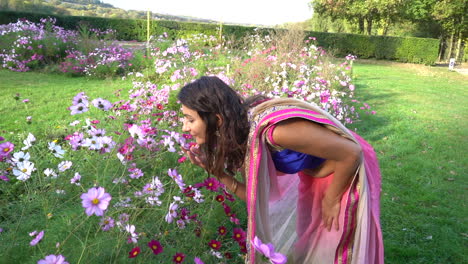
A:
x: 311, y: 138
x: 236, y: 187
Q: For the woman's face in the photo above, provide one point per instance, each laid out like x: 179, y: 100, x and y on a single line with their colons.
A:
x: 194, y: 125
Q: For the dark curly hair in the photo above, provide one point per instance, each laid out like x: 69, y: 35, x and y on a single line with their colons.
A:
x: 210, y: 96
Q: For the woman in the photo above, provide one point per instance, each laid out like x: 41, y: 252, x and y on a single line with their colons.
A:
x: 312, y: 187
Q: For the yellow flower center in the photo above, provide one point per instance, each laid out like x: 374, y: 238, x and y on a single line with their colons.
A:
x: 135, y: 253
x: 155, y: 247
x: 178, y: 259
x: 24, y: 170
x: 214, y: 245
x: 6, y: 149
x: 95, y: 201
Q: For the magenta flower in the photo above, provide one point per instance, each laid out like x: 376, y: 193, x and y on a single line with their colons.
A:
x: 6, y: 148
x: 268, y: 250
x: 222, y: 230
x: 37, y: 239
x: 178, y: 258
x: 95, y: 201
x: 215, y: 244
x: 52, y: 259
x: 155, y: 247
x: 212, y: 184
x: 134, y: 252
x: 238, y: 234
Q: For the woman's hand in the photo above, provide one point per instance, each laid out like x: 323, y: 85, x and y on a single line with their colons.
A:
x: 331, y: 212
x: 195, y: 156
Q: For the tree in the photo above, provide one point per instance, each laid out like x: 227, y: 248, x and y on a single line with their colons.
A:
x: 365, y: 13
x: 452, y: 16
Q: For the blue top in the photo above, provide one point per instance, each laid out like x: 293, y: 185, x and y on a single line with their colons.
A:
x: 290, y: 161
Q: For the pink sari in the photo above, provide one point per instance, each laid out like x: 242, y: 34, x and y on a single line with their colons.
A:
x: 285, y: 210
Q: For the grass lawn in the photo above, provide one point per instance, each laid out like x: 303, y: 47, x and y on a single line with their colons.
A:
x: 50, y: 95
x: 419, y: 133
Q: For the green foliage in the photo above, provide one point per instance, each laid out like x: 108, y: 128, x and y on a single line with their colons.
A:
x: 407, y: 49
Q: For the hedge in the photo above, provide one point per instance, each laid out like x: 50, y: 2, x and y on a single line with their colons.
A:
x: 404, y: 49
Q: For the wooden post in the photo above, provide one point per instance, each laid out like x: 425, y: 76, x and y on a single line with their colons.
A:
x: 148, y: 33
x: 220, y: 33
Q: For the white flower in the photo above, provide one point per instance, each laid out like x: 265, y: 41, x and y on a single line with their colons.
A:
x: 198, y: 196
x: 64, y: 165
x: 28, y: 141
x: 24, y: 170
x: 135, y: 130
x: 133, y: 235
x: 152, y: 200
x: 50, y: 173
x: 121, y: 158
x: 20, y: 157
x: 56, y: 150
x: 93, y: 143
x: 74, y: 123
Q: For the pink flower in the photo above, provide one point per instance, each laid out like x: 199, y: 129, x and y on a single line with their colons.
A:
x: 198, y: 261
x: 52, y: 259
x: 268, y: 250
x: 37, y: 239
x: 6, y: 148
x: 95, y: 201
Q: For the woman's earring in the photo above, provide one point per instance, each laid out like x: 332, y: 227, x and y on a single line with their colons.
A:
x: 217, y: 133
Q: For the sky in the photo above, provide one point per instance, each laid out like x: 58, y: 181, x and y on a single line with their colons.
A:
x: 260, y: 12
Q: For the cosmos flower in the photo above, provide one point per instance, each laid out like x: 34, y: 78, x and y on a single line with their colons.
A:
x: 6, y: 148
x: 155, y: 247
x: 23, y: 170
x: 53, y: 259
x: 178, y: 258
x: 37, y: 239
x: 238, y: 234
x: 95, y: 201
x: 102, y: 104
x: 268, y: 250
x: 134, y: 252
x: 215, y: 244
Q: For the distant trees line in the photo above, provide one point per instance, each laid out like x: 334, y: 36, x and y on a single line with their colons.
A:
x: 443, y: 19
x: 84, y: 8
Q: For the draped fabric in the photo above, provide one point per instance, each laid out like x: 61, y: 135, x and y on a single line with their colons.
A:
x: 285, y: 209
